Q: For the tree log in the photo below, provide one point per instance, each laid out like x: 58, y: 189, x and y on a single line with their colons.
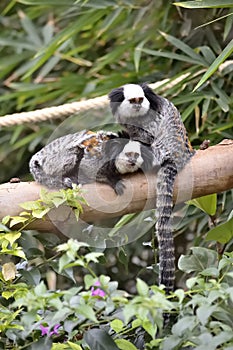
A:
x: 209, y: 171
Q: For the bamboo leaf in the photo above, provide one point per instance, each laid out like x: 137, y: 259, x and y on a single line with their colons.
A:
x: 30, y: 29
x: 171, y: 55
x: 63, y: 36
x: 205, y: 4
x: 109, y: 20
x: 137, y: 54
x: 184, y: 47
x: 228, y: 25
x: 214, y: 66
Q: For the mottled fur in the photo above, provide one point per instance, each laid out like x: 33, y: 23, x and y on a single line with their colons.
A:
x: 159, y: 126
x: 85, y: 157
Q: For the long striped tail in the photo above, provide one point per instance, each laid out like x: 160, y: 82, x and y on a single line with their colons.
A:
x: 165, y: 184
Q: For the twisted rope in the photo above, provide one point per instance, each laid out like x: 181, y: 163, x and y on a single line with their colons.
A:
x: 61, y: 111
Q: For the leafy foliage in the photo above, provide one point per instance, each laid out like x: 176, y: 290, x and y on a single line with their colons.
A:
x: 65, y: 295
x: 98, y: 315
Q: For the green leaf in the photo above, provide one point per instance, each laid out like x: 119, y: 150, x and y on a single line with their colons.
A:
x: 208, y: 54
x: 109, y: 20
x: 98, y: 339
x: 30, y: 29
x: 137, y: 54
x: 204, y: 312
x: 201, y: 259
x: 129, y: 312
x: 142, y: 288
x: 204, y: 4
x: 7, y: 294
x: 117, y: 325
x: 171, y: 55
x: 47, y: 51
x: 171, y: 342
x: 222, y: 233
x: 124, y: 344
x: 16, y: 252
x: 11, y: 237
x: 208, y: 204
x: 63, y: 261
x: 184, y: 47
x: 93, y: 257
x: 184, y: 325
x: 89, y: 280
x: 15, y: 220
x: 74, y: 346
x: 31, y: 205
x: 214, y: 66
x: 40, y: 213
x: 123, y: 258
x: 210, y: 271
x: 6, y: 219
x: 149, y: 328
x: 57, y: 201
x: 87, y: 312
x: 40, y: 290
x: 228, y: 24
x: 180, y: 295
x: 77, y: 213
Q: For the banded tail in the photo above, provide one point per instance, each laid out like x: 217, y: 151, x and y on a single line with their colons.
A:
x: 165, y: 184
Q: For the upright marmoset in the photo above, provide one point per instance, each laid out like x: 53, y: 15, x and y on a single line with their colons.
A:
x: 86, y: 156
x: 155, y: 121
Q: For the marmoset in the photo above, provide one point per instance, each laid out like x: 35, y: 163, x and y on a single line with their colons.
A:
x: 86, y: 156
x: 155, y: 121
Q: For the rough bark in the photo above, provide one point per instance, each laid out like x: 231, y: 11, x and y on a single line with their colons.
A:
x: 209, y: 171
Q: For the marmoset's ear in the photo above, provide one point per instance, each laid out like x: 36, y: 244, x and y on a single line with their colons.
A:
x: 155, y: 100
x: 116, y: 96
x: 113, y: 147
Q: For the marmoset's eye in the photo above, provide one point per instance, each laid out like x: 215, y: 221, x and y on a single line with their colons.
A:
x: 36, y: 164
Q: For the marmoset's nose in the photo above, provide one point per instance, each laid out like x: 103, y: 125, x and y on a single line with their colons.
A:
x: 136, y: 100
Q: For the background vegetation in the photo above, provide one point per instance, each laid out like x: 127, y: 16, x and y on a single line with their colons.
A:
x: 53, y: 52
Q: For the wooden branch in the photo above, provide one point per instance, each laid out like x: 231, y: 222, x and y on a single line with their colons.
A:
x: 209, y: 171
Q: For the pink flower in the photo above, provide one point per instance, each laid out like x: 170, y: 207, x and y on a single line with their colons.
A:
x: 45, y: 330
x: 97, y: 291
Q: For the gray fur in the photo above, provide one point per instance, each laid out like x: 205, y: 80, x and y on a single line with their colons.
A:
x: 161, y: 128
x: 69, y: 159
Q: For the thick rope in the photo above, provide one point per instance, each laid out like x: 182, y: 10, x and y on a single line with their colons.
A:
x: 58, y: 112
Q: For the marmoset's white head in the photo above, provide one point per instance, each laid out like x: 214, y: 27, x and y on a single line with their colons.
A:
x: 129, y: 101
x: 132, y: 100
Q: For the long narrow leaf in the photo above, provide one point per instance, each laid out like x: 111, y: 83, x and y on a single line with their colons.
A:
x: 46, y: 52
x: 30, y: 29
x: 204, y: 4
x: 171, y: 55
x: 184, y: 47
x: 214, y: 66
x: 137, y: 55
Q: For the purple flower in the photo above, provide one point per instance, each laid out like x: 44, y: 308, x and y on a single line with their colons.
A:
x: 55, y: 329
x: 45, y: 330
x: 97, y: 291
